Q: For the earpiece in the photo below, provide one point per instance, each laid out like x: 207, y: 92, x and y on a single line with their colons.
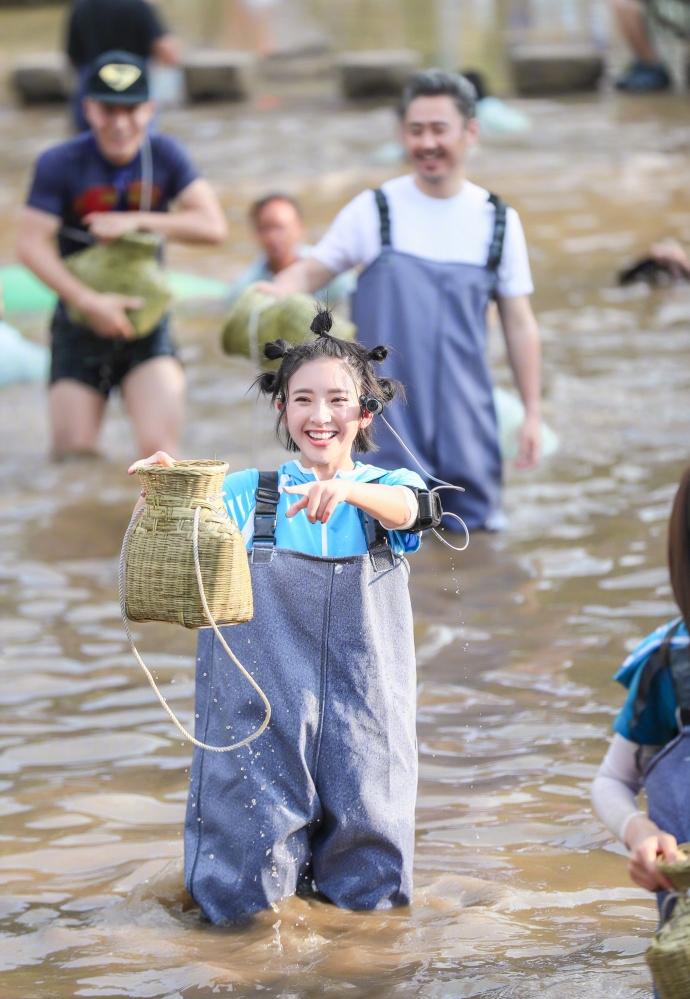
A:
x: 370, y: 404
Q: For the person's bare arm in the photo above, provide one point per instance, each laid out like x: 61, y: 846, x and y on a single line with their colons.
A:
x: 524, y: 355
x: 306, y: 275
x: 195, y: 217
x: 395, y: 507
x: 36, y: 248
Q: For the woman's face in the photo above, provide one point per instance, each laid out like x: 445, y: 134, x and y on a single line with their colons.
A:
x: 323, y: 414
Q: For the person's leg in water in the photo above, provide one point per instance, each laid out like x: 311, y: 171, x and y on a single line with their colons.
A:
x: 76, y: 414
x: 646, y: 74
x: 154, y: 396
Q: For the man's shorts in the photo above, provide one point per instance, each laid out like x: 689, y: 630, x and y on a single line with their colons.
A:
x: 101, y: 362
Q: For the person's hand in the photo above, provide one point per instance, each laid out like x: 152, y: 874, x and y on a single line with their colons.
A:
x: 159, y: 458
x: 107, y: 226
x: 270, y: 288
x: 319, y: 498
x: 106, y: 313
x: 647, y: 843
x: 529, y: 442
x: 672, y: 255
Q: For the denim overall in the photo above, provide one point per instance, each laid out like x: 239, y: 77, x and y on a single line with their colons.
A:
x: 325, y: 798
x: 667, y: 775
x: 433, y: 316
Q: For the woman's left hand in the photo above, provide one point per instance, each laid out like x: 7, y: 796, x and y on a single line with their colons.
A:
x: 318, y: 498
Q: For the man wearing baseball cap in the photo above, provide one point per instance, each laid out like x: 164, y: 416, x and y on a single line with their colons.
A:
x: 112, y: 180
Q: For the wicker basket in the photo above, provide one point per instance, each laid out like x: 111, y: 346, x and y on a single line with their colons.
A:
x: 668, y: 955
x: 127, y: 266
x: 160, y: 582
x: 256, y: 318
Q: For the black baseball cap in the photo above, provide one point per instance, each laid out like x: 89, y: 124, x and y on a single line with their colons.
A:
x: 118, y: 77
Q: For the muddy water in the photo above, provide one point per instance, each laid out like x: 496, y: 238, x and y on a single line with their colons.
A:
x: 519, y: 891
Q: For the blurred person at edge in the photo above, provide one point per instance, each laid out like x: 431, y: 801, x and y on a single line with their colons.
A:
x: 98, y: 186
x: 435, y: 249
x: 646, y: 74
x: 98, y: 26
x: 278, y: 226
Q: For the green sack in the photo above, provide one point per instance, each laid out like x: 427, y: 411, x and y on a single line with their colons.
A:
x: 256, y: 318
x: 127, y: 266
x: 668, y: 955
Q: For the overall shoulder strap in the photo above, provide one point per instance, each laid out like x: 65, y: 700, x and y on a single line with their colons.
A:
x: 377, y: 539
x: 680, y: 674
x: 658, y: 660
x: 267, y: 497
x: 498, y: 235
x: 384, y: 217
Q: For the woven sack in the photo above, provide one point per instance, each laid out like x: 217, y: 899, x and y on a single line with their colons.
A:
x: 126, y: 266
x: 160, y: 582
x: 256, y: 318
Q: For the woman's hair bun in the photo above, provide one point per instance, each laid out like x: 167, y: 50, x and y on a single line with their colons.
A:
x: 275, y: 349
x: 268, y: 382
x: 322, y: 322
x: 379, y: 353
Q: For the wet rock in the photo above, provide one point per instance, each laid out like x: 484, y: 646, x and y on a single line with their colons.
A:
x: 540, y: 68
x: 214, y: 75
x: 376, y: 73
x: 41, y: 78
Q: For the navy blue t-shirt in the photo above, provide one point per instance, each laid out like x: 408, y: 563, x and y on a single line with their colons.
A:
x: 73, y: 179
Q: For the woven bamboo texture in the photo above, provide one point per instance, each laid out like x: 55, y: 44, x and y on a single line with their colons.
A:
x: 668, y: 955
x: 160, y: 579
x: 678, y: 872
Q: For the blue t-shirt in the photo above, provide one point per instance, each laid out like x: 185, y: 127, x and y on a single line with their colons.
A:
x: 73, y: 179
x: 656, y: 724
x: 343, y: 535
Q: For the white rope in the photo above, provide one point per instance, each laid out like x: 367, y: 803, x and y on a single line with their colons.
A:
x: 442, y: 485
x: 197, y: 568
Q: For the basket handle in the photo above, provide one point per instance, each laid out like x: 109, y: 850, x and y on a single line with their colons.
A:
x: 197, y: 568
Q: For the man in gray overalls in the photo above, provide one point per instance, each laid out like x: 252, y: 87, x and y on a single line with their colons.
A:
x: 435, y: 249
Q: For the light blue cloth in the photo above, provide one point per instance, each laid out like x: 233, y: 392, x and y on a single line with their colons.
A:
x: 657, y: 722
x: 336, y: 291
x: 343, y: 535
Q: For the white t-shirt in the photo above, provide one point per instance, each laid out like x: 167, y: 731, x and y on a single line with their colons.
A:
x: 453, y: 230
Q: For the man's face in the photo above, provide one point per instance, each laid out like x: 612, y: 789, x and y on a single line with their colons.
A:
x: 119, y: 129
x: 279, y: 230
x: 437, y: 138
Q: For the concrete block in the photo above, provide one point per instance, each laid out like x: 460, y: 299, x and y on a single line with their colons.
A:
x: 41, y: 78
x: 376, y: 73
x: 558, y: 68
x: 214, y: 75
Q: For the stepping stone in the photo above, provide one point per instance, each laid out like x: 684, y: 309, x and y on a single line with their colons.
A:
x: 212, y: 75
x: 558, y: 68
x: 41, y: 78
x: 376, y: 73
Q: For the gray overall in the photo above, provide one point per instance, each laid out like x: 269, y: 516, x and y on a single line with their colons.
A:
x: 433, y: 316
x: 325, y: 798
